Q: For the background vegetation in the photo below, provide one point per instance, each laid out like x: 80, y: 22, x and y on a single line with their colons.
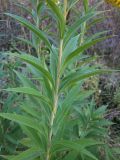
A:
x: 87, y: 120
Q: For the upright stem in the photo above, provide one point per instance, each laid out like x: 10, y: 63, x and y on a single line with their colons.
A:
x: 55, y: 101
x: 56, y: 92
x: 65, y: 9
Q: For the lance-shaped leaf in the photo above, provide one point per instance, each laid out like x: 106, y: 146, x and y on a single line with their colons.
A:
x: 79, y: 146
x: 59, y: 16
x: 71, y: 4
x: 97, y: 35
x: 26, y: 41
x: 34, y: 62
x: 72, y: 99
x: 86, y: 5
x: 39, y: 7
x: 29, y: 154
x: 70, y: 156
x: 25, y: 81
x: 6, y: 157
x: 32, y: 111
x: 22, y: 120
x: 72, y: 79
x: 24, y: 8
x: 87, y: 153
x: 79, y: 50
x: 30, y: 91
x: 95, y: 21
x: 54, y: 62
x: 71, y: 46
x: 73, y: 29
x: 34, y: 139
x: 31, y: 27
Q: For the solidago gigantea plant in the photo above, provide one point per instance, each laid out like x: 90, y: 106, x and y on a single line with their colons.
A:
x: 49, y: 116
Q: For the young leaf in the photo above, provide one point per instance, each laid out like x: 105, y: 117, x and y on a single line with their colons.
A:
x: 26, y: 41
x: 22, y: 120
x: 73, y: 29
x: 29, y: 154
x: 76, y: 77
x: 59, y: 16
x: 30, y: 91
x: 80, y: 49
x: 31, y: 27
x: 25, y: 81
x: 36, y: 63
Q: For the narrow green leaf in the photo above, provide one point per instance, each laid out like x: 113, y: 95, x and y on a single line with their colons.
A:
x: 86, y: 5
x: 30, y: 110
x: 59, y: 16
x: 6, y: 157
x: 22, y: 120
x: 73, y: 29
x: 78, y: 145
x: 29, y: 154
x: 26, y: 41
x: 71, y: 156
x: 34, y: 139
x: 29, y: 91
x: 96, y: 21
x: 26, y: 9
x: 39, y: 7
x: 71, y: 46
x: 89, y: 154
x: 34, y: 62
x: 54, y: 62
x: 72, y: 3
x: 31, y: 27
x: 75, y: 77
x: 80, y: 50
x: 25, y: 81
x: 97, y: 35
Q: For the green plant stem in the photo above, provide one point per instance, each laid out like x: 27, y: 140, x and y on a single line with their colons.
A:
x: 56, y: 92
x: 55, y: 101
x: 65, y: 9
